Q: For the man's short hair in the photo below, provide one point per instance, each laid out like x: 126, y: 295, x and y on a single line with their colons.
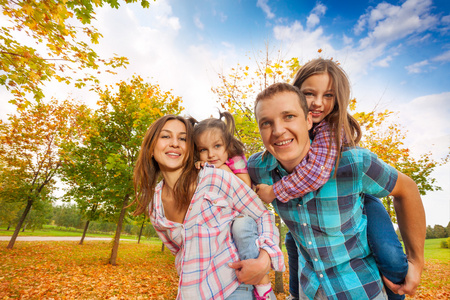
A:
x: 278, y: 88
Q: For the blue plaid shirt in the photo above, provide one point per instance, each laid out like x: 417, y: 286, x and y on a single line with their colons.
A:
x: 329, y: 226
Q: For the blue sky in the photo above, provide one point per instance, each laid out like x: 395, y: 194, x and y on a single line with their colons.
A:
x: 396, y: 53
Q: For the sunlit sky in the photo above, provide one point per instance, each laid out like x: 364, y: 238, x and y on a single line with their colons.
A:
x: 396, y: 53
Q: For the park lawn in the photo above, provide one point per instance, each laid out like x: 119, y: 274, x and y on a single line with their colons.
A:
x: 66, y: 270
x: 51, y: 230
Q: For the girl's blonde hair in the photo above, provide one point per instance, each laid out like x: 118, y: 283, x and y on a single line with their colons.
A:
x: 147, y: 172
x: 340, y: 121
x: 227, y: 128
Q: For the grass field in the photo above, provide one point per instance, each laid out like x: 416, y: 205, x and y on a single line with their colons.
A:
x: 66, y: 270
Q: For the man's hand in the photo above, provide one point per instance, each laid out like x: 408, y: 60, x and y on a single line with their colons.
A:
x: 411, y: 283
x: 265, y: 193
x: 251, y: 271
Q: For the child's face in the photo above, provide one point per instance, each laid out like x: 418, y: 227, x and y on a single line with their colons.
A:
x: 320, y: 95
x: 211, y: 147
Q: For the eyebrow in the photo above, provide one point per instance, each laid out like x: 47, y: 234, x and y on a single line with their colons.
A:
x: 167, y: 130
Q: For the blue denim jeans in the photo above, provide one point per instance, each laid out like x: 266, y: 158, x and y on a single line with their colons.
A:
x: 383, y: 241
x: 291, y: 248
x: 245, y: 234
x: 243, y: 292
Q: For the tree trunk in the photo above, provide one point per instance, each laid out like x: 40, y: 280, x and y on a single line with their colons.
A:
x: 279, y: 286
x: 115, y: 247
x: 9, y: 226
x: 84, y: 232
x: 19, y: 225
x: 140, y: 231
x: 162, y: 247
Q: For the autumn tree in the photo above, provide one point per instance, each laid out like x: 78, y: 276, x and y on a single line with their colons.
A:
x: 104, y: 159
x: 385, y: 137
x: 30, y: 152
x: 45, y: 40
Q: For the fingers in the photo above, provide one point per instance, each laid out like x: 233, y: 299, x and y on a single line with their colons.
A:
x: 236, y: 265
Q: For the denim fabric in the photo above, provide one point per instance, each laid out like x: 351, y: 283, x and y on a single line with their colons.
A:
x: 243, y: 292
x: 245, y: 234
x: 384, y: 243
x: 292, y: 252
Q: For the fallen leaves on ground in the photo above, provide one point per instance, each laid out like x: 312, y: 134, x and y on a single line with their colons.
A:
x: 66, y: 270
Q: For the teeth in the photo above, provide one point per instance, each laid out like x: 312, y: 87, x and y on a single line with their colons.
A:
x: 283, y: 143
x: 171, y: 153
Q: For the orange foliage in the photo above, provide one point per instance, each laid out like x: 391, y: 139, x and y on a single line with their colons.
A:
x: 66, y: 270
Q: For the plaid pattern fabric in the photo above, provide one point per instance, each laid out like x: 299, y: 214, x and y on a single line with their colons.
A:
x: 203, y: 244
x: 329, y: 226
x: 314, y: 170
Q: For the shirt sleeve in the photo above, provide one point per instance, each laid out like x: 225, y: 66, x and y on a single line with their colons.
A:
x: 237, y: 164
x: 378, y: 178
x: 246, y: 201
x: 314, y: 170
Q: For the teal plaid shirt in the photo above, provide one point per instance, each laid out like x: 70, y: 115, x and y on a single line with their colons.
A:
x: 329, y: 226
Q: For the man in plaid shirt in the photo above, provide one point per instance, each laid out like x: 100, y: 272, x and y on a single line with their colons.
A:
x: 328, y: 225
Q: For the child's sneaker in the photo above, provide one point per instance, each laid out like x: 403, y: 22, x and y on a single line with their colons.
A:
x: 290, y: 297
x: 269, y: 295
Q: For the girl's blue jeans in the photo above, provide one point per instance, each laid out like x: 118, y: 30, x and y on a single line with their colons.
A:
x: 383, y: 241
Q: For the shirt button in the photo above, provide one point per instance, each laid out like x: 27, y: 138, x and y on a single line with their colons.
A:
x: 304, y: 224
x: 190, y: 208
x: 321, y: 275
x: 299, y: 205
x: 322, y: 167
x: 215, y: 201
x: 309, y: 243
x: 315, y: 259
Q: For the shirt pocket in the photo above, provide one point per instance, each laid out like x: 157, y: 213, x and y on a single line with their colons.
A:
x: 215, y: 211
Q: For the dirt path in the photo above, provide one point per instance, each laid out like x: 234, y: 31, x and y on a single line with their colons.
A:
x: 54, y: 238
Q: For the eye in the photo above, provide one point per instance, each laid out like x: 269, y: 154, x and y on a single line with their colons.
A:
x: 290, y: 117
x: 329, y: 95
x: 183, y: 139
x: 201, y: 150
x: 264, y: 124
x: 217, y: 146
x: 308, y: 94
x: 165, y: 136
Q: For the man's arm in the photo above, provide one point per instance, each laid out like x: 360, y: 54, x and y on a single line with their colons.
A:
x: 251, y: 271
x: 411, y: 221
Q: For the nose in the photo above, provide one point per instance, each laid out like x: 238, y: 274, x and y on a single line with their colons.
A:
x: 174, y: 142
x: 317, y: 101
x: 278, y: 129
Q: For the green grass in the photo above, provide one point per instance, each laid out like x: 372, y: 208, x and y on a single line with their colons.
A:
x: 51, y: 230
x: 433, y: 250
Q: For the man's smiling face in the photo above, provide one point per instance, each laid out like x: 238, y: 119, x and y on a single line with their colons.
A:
x: 284, y: 128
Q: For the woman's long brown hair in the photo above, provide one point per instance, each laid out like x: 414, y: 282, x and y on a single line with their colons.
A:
x: 147, y: 172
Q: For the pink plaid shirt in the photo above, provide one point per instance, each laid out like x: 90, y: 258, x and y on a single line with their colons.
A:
x: 314, y: 170
x: 203, y: 245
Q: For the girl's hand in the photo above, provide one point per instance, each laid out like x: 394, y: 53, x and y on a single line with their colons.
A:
x: 199, y: 164
x: 265, y: 193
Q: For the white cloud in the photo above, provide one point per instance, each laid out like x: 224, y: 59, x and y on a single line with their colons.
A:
x: 198, y: 23
x: 266, y: 9
x: 387, y: 23
x: 347, y: 40
x: 444, y: 57
x: 312, y: 21
x: 384, y: 63
x: 417, y: 67
x: 314, y: 18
